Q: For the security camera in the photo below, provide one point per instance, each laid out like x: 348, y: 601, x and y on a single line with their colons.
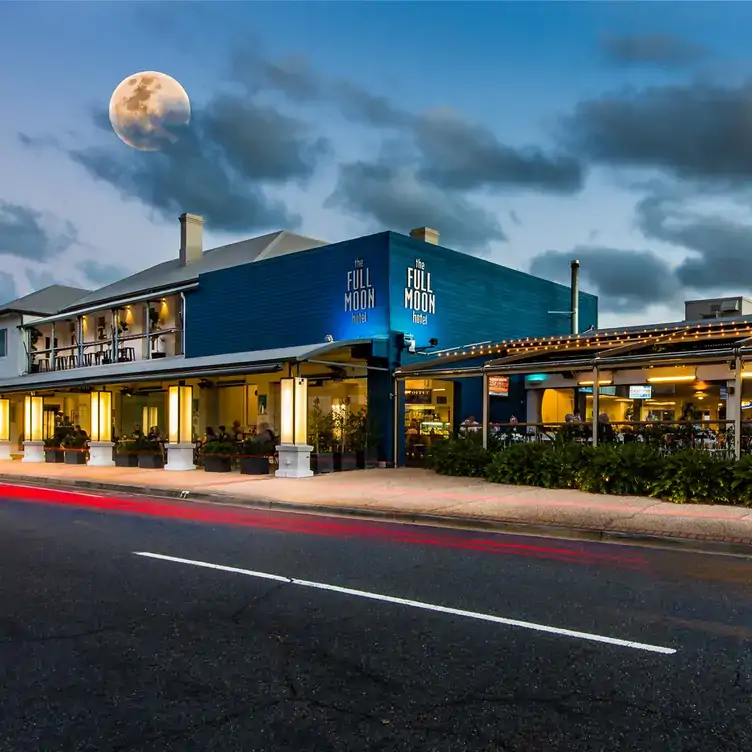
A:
x: 433, y: 342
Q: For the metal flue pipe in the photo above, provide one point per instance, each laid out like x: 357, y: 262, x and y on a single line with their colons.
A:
x: 575, y: 300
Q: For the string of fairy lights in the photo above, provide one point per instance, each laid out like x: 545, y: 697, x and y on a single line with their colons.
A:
x: 605, y: 340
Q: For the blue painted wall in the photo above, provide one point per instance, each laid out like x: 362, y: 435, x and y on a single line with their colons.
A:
x: 472, y: 300
x: 298, y: 299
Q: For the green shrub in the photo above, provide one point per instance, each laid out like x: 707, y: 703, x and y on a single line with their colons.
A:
x: 628, y: 470
x: 741, y: 482
x: 463, y: 457
x: 692, y: 475
x: 518, y: 464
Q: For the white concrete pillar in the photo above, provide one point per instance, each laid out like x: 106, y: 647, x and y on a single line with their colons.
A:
x: 180, y: 457
x: 33, y: 451
x: 5, y: 450
x: 100, y: 454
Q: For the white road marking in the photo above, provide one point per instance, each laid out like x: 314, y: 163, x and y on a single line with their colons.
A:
x: 419, y: 604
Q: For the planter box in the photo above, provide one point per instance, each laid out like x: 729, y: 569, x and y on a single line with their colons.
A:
x: 345, y: 461
x: 54, y: 455
x: 126, y: 459
x: 217, y: 463
x: 322, y: 463
x: 367, y: 458
x: 151, y: 461
x: 255, y: 466
x: 155, y: 355
x: 76, y: 457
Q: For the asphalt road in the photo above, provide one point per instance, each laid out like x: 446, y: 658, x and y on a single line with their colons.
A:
x: 105, y: 649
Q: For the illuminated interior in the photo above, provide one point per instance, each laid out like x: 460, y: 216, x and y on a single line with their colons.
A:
x: 4, y: 420
x: 294, y: 411
x: 33, y: 418
x: 101, y: 416
x: 180, y: 417
x: 149, y: 417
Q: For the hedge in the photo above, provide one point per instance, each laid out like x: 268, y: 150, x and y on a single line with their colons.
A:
x: 686, y: 476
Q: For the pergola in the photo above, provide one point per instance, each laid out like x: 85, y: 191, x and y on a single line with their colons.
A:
x: 590, y: 357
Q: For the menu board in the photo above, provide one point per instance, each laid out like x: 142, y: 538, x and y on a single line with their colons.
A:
x: 498, y: 386
x: 418, y: 396
x: 640, y: 392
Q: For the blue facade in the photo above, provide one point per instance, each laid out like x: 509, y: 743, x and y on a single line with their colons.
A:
x: 377, y: 287
x: 370, y: 287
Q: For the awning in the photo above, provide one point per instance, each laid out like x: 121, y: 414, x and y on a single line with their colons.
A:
x: 254, y: 361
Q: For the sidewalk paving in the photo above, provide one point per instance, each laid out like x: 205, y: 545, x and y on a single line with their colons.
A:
x: 421, y: 496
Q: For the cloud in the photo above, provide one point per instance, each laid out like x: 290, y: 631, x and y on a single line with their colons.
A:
x: 395, y: 197
x: 101, y: 274
x: 219, y: 168
x: 625, y: 281
x: 8, y: 289
x: 720, y: 247
x: 660, y: 50
x: 454, y: 153
x: 31, y: 234
x: 696, y: 131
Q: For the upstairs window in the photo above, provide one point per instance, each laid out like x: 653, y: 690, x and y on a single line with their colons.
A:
x: 3, y: 342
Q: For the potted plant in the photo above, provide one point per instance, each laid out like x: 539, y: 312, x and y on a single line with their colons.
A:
x: 346, y: 422
x: 74, y: 446
x: 126, y: 453
x: 218, y: 456
x: 150, y: 456
x: 256, y: 457
x: 321, y: 438
x: 364, y: 438
x: 53, y: 452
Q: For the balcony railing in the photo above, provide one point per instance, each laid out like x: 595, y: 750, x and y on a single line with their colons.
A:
x: 127, y: 348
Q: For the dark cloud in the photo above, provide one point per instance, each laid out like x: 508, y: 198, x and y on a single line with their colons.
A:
x: 219, y: 168
x: 394, y: 197
x: 515, y: 217
x: 720, y: 248
x: 101, y: 274
x: 454, y: 154
x: 625, y: 281
x: 8, y: 289
x: 31, y: 234
x: 661, y: 50
x: 696, y: 131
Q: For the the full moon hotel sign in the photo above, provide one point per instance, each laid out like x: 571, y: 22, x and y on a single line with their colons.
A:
x: 419, y: 297
x: 360, y: 295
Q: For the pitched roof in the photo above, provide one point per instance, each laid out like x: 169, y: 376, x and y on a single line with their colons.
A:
x: 171, y: 273
x: 46, y: 301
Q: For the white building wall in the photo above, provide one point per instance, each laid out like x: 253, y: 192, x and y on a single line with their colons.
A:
x: 14, y: 362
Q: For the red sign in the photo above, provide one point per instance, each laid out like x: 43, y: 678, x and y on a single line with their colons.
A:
x: 498, y: 386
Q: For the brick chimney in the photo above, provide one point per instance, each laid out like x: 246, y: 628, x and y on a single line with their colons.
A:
x: 426, y: 234
x: 191, y: 238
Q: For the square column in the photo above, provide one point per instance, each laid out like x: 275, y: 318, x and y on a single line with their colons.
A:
x: 101, y: 444
x: 5, y: 429
x: 294, y: 451
x: 33, y: 429
x: 180, y: 428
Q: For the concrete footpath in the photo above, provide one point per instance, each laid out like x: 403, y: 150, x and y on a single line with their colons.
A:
x: 408, y: 495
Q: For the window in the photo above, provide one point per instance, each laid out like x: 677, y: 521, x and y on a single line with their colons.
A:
x: 3, y: 342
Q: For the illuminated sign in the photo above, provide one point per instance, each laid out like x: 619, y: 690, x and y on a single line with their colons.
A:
x: 418, y: 396
x: 360, y: 296
x: 498, y: 386
x: 419, y: 297
x: 640, y: 392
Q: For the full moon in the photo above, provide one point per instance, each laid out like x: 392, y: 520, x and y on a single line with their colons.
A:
x: 147, y: 108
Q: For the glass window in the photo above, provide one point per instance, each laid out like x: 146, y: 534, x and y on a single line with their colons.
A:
x: 3, y: 342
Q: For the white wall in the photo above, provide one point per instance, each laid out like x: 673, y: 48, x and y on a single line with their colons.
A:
x: 14, y: 362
